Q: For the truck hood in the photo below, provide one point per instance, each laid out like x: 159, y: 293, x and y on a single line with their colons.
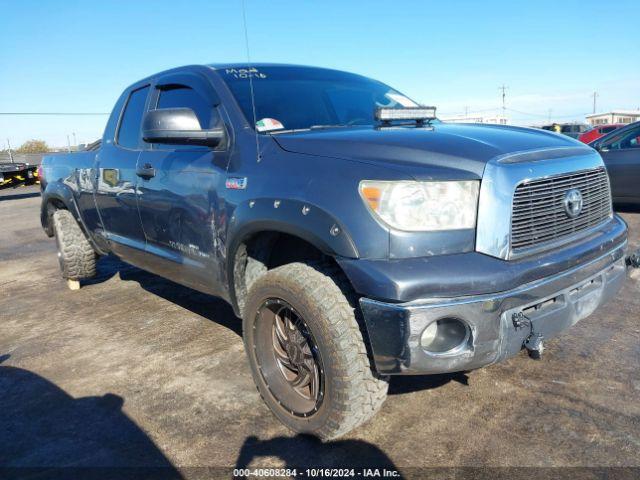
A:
x: 447, y: 148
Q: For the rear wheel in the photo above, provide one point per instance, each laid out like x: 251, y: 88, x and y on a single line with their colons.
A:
x: 75, y: 254
x: 307, y: 353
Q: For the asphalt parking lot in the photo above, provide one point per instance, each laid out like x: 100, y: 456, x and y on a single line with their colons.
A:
x: 133, y: 370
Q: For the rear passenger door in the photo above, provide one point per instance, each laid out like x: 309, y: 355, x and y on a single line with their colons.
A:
x: 116, y: 180
x: 180, y: 206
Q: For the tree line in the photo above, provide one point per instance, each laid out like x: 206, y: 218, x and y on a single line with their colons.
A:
x: 31, y: 146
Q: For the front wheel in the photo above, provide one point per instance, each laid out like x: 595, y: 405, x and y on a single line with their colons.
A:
x: 307, y: 353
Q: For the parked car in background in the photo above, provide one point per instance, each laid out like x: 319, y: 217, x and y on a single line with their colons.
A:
x: 620, y: 151
x: 573, y: 130
x: 598, y: 131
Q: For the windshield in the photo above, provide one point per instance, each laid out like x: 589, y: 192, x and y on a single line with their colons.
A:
x: 291, y: 98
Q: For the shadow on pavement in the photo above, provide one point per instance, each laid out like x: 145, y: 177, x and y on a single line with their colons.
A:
x: 46, y: 433
x: 207, y: 306
x: 303, y: 451
x: 414, y: 383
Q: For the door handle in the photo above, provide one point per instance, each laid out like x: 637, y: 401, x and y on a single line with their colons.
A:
x: 146, y: 171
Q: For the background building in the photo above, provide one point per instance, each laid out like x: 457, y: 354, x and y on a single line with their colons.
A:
x: 615, y: 116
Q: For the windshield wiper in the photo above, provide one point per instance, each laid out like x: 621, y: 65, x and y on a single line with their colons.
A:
x: 320, y: 127
x: 290, y: 130
x: 314, y: 127
x: 336, y: 125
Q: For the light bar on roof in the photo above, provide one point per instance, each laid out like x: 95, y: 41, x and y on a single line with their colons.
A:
x: 387, y: 114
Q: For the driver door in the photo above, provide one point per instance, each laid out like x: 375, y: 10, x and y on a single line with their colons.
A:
x: 178, y: 199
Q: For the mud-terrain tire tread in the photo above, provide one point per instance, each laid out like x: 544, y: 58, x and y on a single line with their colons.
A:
x: 78, y: 256
x: 359, y: 390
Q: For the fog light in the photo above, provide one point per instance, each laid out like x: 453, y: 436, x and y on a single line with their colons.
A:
x: 445, y: 335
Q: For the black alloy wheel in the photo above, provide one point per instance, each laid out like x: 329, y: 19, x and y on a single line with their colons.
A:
x: 289, y: 361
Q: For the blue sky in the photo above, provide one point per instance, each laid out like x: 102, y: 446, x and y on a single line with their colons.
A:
x: 78, y: 55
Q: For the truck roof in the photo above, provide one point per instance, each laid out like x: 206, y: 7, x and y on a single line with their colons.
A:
x: 238, y: 65
x: 221, y: 66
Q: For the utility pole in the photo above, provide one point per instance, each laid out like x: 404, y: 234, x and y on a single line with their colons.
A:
x: 10, y: 154
x: 68, y: 145
x: 504, y: 89
x: 595, y: 95
x: 75, y: 142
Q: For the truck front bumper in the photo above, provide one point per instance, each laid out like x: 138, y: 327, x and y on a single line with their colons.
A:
x: 495, y: 330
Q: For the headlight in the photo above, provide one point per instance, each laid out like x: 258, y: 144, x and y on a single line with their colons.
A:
x: 423, y: 206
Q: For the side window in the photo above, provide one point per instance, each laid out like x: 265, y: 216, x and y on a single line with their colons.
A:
x: 181, y: 96
x: 629, y: 139
x: 129, y: 130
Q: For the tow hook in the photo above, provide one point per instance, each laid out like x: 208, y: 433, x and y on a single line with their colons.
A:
x: 534, y: 345
x: 534, y: 342
x: 633, y: 260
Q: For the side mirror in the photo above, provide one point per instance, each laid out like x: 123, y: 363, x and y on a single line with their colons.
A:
x: 178, y: 126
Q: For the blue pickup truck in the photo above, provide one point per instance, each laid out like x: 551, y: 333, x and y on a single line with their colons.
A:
x: 354, y: 234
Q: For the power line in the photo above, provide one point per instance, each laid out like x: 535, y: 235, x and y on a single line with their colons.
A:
x: 470, y: 111
x: 540, y: 115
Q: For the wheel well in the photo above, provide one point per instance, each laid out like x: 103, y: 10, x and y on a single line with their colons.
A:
x: 52, y: 205
x: 267, y: 250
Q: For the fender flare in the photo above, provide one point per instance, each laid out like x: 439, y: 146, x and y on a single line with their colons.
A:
x: 61, y: 193
x: 293, y: 217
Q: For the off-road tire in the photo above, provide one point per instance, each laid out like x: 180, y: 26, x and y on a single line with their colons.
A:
x: 75, y: 254
x: 353, y: 392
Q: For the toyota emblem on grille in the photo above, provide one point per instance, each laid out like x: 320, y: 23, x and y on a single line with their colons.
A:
x: 573, y: 203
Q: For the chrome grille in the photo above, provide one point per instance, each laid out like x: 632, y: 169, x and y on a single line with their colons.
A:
x: 539, y: 216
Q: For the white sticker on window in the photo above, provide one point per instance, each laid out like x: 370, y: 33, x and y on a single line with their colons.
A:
x: 268, y: 124
x: 402, y: 100
x: 245, y: 73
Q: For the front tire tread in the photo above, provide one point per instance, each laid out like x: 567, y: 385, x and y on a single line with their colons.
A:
x: 360, y: 392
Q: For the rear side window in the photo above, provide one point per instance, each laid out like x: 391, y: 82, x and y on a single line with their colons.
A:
x: 607, y: 129
x: 181, y: 96
x: 129, y: 131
